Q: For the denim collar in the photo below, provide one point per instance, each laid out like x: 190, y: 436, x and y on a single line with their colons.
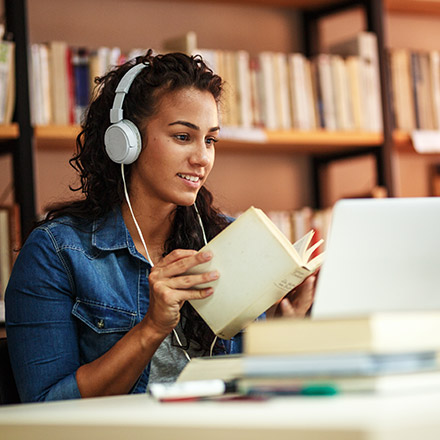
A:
x: 110, y: 233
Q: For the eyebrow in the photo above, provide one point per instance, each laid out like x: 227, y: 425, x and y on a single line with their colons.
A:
x: 192, y: 126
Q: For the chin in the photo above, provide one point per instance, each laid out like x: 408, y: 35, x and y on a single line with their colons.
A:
x: 185, y: 201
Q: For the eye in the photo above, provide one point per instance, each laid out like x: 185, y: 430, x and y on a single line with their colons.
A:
x: 183, y: 137
x: 211, y: 141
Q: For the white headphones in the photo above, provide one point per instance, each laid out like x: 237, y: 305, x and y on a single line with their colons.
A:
x: 122, y: 139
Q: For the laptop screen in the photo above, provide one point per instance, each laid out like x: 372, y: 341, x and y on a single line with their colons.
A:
x: 382, y: 255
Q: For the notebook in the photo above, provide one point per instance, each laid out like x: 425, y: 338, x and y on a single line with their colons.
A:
x: 381, y: 255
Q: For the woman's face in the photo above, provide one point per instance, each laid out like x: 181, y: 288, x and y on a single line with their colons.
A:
x: 179, y: 151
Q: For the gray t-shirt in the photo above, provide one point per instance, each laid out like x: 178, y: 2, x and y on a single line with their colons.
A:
x: 170, y: 359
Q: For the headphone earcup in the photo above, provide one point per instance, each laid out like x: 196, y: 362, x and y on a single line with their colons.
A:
x: 123, y: 142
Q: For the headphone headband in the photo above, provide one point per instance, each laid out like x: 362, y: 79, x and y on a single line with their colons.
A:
x: 116, y: 112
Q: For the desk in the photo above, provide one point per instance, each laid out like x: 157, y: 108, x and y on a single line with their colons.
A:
x: 413, y: 416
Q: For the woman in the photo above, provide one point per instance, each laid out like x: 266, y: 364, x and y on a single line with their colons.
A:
x: 96, y: 303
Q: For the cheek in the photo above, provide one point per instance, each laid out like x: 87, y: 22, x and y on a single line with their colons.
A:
x: 211, y: 162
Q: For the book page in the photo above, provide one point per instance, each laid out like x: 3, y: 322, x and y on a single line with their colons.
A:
x: 303, y: 243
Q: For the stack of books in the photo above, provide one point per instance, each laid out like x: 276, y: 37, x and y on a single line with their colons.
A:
x: 380, y: 353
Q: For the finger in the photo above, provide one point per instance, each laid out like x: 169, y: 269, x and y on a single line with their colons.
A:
x: 287, y: 308
x: 190, y: 294
x: 176, y: 255
x: 181, y: 265
x: 188, y: 281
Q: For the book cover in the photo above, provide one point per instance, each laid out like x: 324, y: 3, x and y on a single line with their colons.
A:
x: 267, y: 93
x: 7, y: 81
x: 379, y: 333
x: 305, y: 368
x: 323, y: 63
x: 381, y: 383
x: 258, y: 266
x: 81, y: 81
x: 59, y: 81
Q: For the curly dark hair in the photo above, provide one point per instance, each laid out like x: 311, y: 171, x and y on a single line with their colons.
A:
x: 101, y: 182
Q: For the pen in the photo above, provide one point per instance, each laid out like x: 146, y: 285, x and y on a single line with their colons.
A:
x: 191, y: 390
x: 317, y: 389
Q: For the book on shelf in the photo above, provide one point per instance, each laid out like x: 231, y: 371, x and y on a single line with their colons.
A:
x: 81, y: 76
x: 9, y: 245
x: 258, y: 266
x: 281, y: 80
x: 301, y: 92
x: 59, y: 81
x: 434, y: 71
x: 327, y: 91
x: 7, y: 81
x: 343, y: 102
x: 401, y: 83
x: 267, y: 91
x: 186, y: 43
x: 364, y: 45
x: 355, y: 87
x: 379, y: 333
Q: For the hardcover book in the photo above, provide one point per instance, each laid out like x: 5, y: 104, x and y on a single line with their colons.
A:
x: 258, y: 266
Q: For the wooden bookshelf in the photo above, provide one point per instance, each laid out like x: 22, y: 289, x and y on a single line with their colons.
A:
x: 313, y: 143
x: 305, y: 142
x: 10, y: 131
x: 403, y: 144
x: 300, y: 4
x: 413, y: 6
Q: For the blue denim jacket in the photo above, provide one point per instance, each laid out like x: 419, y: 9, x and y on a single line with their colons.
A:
x: 74, y: 291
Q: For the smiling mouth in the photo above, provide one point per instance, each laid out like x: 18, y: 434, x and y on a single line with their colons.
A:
x: 189, y: 177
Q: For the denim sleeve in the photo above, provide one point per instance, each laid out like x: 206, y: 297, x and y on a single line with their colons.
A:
x: 42, y: 334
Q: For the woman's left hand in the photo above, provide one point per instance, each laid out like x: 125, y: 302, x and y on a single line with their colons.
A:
x: 296, y: 303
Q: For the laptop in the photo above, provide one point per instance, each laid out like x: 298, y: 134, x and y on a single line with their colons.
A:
x: 382, y: 255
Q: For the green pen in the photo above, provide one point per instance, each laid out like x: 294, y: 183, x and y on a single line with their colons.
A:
x: 319, y: 389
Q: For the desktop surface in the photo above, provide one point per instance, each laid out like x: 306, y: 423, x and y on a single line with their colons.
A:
x: 342, y: 417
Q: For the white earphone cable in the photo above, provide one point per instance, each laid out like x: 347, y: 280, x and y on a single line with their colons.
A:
x: 127, y: 198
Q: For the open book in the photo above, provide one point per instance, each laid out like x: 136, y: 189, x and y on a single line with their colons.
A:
x: 258, y: 266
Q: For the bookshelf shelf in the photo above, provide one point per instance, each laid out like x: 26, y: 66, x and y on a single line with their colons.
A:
x: 305, y: 142
x: 10, y: 131
x: 403, y: 144
x: 300, y: 4
x: 413, y: 6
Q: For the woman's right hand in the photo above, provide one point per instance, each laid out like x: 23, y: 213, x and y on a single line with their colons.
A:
x: 170, y: 288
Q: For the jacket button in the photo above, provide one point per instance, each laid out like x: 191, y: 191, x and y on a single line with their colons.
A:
x: 100, y: 323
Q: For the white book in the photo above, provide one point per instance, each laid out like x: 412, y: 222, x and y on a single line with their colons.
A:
x: 35, y: 86
x: 5, y: 252
x: 342, y: 94
x: 59, y: 82
x: 298, y: 92
x: 281, y: 83
x: 267, y: 91
x: 310, y: 95
x: 244, y: 88
x: 258, y: 266
x: 434, y: 64
x: 323, y: 62
x: 353, y: 66
x: 45, y: 86
x: 7, y: 81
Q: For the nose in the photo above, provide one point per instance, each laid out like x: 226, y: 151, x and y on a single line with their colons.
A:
x: 200, y: 155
